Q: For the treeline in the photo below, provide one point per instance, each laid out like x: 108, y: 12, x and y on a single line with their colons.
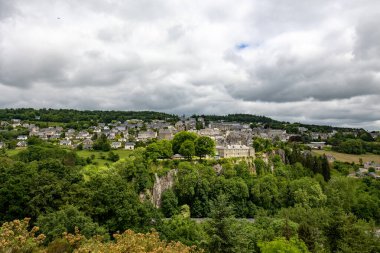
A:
x: 7, y: 135
x: 358, y: 147
x: 244, y: 118
x: 354, y: 144
x: 291, y: 128
x: 316, y: 164
x: 267, y: 122
x: 70, y: 115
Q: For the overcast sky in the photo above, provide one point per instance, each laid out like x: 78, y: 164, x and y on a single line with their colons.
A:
x: 310, y: 61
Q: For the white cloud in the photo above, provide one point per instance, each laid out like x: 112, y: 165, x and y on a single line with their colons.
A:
x: 312, y: 61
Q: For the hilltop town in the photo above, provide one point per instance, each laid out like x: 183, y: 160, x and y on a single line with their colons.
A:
x: 234, y: 136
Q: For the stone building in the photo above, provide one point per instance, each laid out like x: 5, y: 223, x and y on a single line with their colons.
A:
x: 235, y: 151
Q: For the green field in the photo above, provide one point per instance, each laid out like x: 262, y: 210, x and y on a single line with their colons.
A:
x: 12, y: 152
x: 349, y: 157
x: 99, y: 154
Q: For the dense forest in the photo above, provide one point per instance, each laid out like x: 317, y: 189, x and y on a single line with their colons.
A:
x: 285, y: 199
x: 70, y: 115
x: 255, y: 120
x: 351, y: 144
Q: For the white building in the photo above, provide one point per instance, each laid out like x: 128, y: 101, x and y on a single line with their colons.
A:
x: 129, y: 146
x: 116, y: 145
x: 235, y: 151
x: 146, y: 135
x: 65, y: 142
x: 22, y: 137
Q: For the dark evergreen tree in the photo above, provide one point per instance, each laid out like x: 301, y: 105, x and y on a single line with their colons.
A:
x: 325, y: 168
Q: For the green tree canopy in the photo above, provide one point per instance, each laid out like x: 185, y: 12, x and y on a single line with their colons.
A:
x: 65, y: 220
x: 294, y: 245
x: 307, y: 192
x: 187, y: 149
x: 102, y: 143
x: 204, y: 145
x: 180, y: 138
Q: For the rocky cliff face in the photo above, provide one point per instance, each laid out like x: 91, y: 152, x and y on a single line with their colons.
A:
x: 281, y: 153
x: 160, y: 185
x: 267, y: 156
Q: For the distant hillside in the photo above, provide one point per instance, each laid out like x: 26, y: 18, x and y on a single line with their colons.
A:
x: 271, y: 123
x: 70, y: 115
x: 244, y: 118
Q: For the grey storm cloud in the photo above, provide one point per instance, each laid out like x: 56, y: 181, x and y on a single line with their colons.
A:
x: 310, y: 61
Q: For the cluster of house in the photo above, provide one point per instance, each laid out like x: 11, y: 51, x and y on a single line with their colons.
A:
x: 368, y: 169
x: 375, y: 134
x: 232, y: 139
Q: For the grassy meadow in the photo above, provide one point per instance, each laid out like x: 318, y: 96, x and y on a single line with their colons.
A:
x: 101, y: 156
x: 349, y: 157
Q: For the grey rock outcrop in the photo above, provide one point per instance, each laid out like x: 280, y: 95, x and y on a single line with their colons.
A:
x: 162, y: 184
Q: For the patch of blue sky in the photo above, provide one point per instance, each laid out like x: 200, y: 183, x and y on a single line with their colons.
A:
x: 241, y: 46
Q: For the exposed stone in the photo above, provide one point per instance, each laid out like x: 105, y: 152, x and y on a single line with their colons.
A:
x: 281, y: 153
x: 162, y: 184
x: 218, y: 168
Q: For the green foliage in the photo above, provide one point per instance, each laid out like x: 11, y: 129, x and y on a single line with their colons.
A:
x: 307, y: 192
x: 180, y: 138
x: 366, y: 207
x: 352, y: 144
x: 265, y: 192
x: 350, y: 147
x: 204, y: 146
x: 187, y: 149
x: 54, y: 224
x: 311, y: 225
x: 113, y: 157
x: 34, y: 140
x: 261, y: 167
x: 169, y: 203
x: 36, y: 187
x: 16, y: 180
x: 153, y: 151
x: 160, y: 149
x: 219, y: 226
x: 112, y: 203
x: 246, y: 118
x: 166, y: 149
x: 38, y: 153
x: 80, y: 146
x: 347, y: 234
x: 341, y: 193
x: 365, y: 136
x: 59, y: 191
x: 12, y: 134
x: 70, y: 116
x: 343, y: 168
x: 237, y: 192
x: 262, y: 145
x: 294, y: 245
x: 102, y: 143
x: 315, y: 164
x: 181, y: 228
